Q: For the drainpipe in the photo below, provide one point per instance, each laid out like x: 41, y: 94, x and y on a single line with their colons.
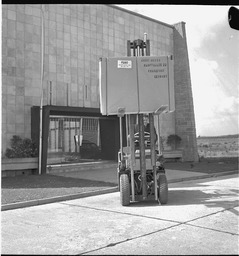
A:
x: 42, y: 75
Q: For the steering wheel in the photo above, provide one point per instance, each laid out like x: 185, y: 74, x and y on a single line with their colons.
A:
x: 146, y: 138
x: 145, y: 134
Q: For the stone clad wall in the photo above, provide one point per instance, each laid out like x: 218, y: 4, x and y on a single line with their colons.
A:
x: 75, y: 37
x: 184, y: 111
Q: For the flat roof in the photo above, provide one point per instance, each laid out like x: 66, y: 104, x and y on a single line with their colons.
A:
x: 139, y: 15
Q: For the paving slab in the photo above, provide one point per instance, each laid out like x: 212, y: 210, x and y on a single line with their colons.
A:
x: 224, y: 221
x: 106, y: 175
x: 110, y: 175
x: 179, y: 240
x: 188, y: 224
x: 195, y: 197
x: 67, y: 229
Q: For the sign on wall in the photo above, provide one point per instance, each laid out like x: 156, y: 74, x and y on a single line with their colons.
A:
x: 137, y: 84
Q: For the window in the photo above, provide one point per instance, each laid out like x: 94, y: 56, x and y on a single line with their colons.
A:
x: 61, y: 139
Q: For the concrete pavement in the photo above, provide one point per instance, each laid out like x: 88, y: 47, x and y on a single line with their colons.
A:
x: 107, y: 174
x: 201, y: 217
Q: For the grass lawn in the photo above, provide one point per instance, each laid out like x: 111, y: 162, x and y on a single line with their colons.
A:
x: 33, y: 187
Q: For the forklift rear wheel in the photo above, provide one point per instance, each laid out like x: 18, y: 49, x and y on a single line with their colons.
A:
x: 124, y: 189
x: 162, y: 189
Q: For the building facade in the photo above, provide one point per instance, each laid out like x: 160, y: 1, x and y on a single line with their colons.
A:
x: 70, y: 39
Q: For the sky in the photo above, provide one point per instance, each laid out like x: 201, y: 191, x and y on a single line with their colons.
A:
x: 213, y: 49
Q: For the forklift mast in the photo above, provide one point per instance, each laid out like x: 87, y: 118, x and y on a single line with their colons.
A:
x: 141, y: 48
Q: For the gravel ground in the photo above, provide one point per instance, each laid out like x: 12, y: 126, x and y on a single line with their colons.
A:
x: 30, y: 187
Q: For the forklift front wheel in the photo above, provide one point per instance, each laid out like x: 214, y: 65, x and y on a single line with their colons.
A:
x: 162, y: 189
x: 124, y: 189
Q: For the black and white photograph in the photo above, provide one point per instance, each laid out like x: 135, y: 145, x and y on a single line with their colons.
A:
x: 119, y: 129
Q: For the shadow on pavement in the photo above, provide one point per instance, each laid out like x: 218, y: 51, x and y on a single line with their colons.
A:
x: 211, y: 193
x: 214, y: 199
x: 192, y: 197
x: 203, y: 192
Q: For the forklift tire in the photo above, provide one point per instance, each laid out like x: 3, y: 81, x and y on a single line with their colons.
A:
x: 162, y: 189
x: 124, y: 189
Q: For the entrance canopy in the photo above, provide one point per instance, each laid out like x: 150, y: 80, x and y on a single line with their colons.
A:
x: 136, y: 84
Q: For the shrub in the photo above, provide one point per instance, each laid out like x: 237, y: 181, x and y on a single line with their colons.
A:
x: 173, y: 140
x: 21, y: 148
x: 162, y: 140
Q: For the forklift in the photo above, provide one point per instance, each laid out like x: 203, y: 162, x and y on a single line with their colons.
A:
x: 137, y: 87
x: 141, y: 173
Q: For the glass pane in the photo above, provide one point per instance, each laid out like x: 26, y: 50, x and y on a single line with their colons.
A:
x: 73, y: 139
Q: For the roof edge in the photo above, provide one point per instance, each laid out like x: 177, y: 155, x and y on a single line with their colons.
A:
x: 140, y: 15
